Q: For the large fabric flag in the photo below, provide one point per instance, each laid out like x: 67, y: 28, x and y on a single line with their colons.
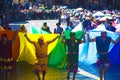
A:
x: 87, y: 51
x: 27, y: 50
x: 57, y: 57
x: 115, y: 54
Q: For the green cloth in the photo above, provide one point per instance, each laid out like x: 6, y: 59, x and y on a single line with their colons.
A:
x: 36, y: 31
x: 57, y: 57
x: 78, y: 34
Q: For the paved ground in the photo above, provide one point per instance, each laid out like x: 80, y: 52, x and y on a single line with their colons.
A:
x: 23, y: 70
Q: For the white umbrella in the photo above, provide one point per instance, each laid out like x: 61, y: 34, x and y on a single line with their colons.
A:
x: 108, y: 15
x: 117, y: 28
x: 79, y: 9
x: 105, y: 18
x: 98, y: 14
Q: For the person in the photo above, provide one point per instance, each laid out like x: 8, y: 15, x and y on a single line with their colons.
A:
x: 69, y: 27
x: 6, y: 58
x: 72, y: 54
x: 45, y: 27
x: 41, y: 55
x: 102, y: 45
x: 110, y: 27
x: 58, y: 29
x: 7, y: 26
x: 22, y: 28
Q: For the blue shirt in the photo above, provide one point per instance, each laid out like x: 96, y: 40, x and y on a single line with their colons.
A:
x: 102, y: 46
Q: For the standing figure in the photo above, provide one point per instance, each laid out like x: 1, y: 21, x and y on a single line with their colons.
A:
x: 7, y: 26
x: 6, y: 58
x: 58, y: 29
x: 45, y: 27
x: 110, y: 27
x: 72, y: 54
x: 22, y: 28
x: 102, y: 45
x: 69, y: 27
x: 41, y: 47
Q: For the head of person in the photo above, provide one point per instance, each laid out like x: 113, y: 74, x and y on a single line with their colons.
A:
x: 45, y: 24
x: 58, y: 24
x: 110, y: 24
x: 7, y: 24
x: 72, y: 36
x: 103, y: 33
x: 22, y: 26
x: 41, y: 40
x: 4, y: 38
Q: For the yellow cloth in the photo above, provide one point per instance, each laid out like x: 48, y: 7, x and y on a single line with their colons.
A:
x: 27, y: 50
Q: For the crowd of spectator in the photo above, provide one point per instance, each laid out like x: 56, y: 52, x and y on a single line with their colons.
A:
x: 89, y: 18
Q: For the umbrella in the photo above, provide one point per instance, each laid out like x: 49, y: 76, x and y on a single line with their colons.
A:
x: 98, y: 14
x: 108, y: 15
x: 105, y: 18
x: 64, y: 7
x: 117, y: 28
x: 79, y: 9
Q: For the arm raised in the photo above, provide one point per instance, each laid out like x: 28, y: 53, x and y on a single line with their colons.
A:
x: 115, y: 42
x: 90, y: 40
x: 28, y: 39
x: 83, y: 40
x: 54, y: 39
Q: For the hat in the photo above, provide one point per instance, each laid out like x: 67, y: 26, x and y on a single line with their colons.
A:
x: 41, y: 38
x: 58, y: 23
x: 21, y: 25
x: 45, y: 23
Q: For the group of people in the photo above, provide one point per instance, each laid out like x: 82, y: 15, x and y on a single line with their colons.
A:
x: 41, y: 48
